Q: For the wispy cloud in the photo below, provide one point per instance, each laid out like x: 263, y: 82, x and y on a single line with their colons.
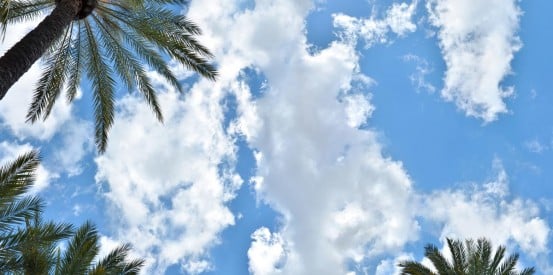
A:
x: 422, y: 69
x: 398, y: 20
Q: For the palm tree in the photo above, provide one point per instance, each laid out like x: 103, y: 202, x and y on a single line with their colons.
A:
x: 468, y: 258
x: 106, y: 40
x: 28, y: 245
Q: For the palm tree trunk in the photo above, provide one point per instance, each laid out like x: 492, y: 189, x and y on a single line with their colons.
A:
x: 19, y: 59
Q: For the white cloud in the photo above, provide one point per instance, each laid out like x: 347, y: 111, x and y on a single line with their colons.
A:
x: 390, y: 266
x: 166, y: 191
x: 422, y: 69
x: 358, y: 109
x: 478, y: 41
x: 266, y: 252
x: 328, y: 179
x: 341, y: 199
x: 488, y: 210
x: 535, y: 146
x: 398, y: 20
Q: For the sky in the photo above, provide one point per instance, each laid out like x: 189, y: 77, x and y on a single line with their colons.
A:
x: 341, y: 137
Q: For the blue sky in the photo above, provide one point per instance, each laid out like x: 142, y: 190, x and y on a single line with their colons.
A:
x: 341, y: 137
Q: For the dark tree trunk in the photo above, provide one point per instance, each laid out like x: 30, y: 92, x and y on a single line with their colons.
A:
x: 19, y: 59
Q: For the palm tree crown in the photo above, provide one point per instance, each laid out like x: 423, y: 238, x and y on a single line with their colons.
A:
x: 106, y: 40
x: 29, y: 245
x: 468, y: 258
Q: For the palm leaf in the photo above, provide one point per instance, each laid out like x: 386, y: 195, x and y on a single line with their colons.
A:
x: 101, y: 76
x: 439, y: 261
x: 52, y: 81
x: 18, y: 176
x: 18, y: 211
x: 81, y: 250
x: 414, y: 268
x: 116, y: 263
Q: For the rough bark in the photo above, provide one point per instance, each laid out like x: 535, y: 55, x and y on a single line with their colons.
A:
x: 19, y: 59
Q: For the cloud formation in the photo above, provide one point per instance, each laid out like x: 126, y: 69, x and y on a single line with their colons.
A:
x: 398, y: 20
x: 491, y: 212
x: 328, y: 179
x: 165, y: 190
x: 478, y: 40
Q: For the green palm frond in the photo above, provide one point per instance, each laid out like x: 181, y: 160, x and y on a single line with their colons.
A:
x: 77, y: 58
x: 103, y: 86
x: 127, y: 66
x: 15, y: 11
x: 52, y: 80
x: 459, y: 255
x: 528, y: 271
x: 18, y: 211
x: 116, y: 263
x: 414, y: 268
x: 124, y: 40
x: 37, y: 248
x: 18, y: 176
x: 28, y: 245
x: 438, y: 259
x: 468, y: 258
x: 508, y: 265
x: 81, y: 250
x: 497, y: 258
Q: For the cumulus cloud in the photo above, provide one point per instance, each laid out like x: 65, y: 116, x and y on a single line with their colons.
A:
x: 478, y: 41
x: 328, y: 178
x: 487, y: 210
x: 342, y: 200
x: 76, y: 142
x: 390, y: 266
x: 166, y: 190
x: 266, y: 253
x: 398, y: 20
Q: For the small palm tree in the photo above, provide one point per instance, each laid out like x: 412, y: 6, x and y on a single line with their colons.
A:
x: 106, y: 40
x: 468, y: 258
x: 28, y: 245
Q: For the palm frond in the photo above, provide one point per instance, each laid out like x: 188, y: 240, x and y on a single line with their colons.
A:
x: 24, y: 10
x: 169, y: 37
x: 116, y: 263
x: 18, y: 211
x: 126, y: 65
x: 52, y: 80
x: 133, y: 267
x: 498, y: 256
x: 141, y: 47
x: 101, y: 76
x: 485, y: 249
x: 77, y: 56
x: 438, y: 259
x: 414, y: 268
x: 459, y: 255
x: 508, y: 265
x: 528, y: 271
x: 18, y: 176
x: 81, y: 250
